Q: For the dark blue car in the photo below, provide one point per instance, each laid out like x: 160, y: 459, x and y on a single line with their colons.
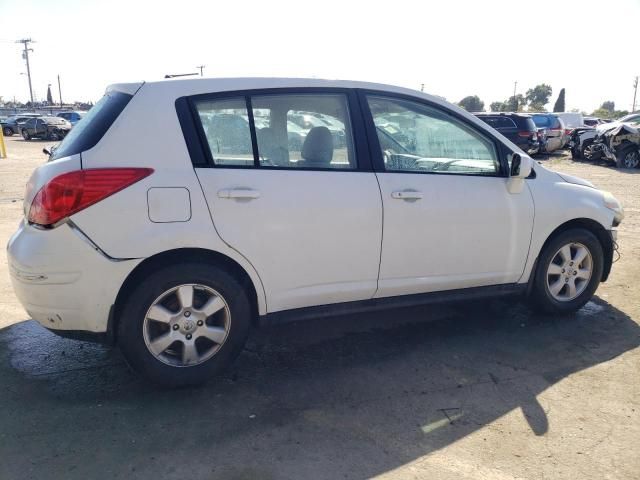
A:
x: 517, y: 127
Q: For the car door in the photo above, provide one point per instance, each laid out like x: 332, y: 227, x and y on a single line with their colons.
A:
x: 30, y: 126
x: 307, y: 215
x: 449, y: 219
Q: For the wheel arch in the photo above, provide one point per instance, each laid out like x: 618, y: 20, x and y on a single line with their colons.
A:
x: 174, y: 257
x: 593, y: 226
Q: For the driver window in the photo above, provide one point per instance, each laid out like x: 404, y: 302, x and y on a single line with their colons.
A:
x: 417, y: 138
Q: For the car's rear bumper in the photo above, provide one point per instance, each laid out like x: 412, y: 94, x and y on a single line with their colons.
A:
x: 62, y: 280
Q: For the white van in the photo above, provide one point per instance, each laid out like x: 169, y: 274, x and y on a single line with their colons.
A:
x: 177, y: 215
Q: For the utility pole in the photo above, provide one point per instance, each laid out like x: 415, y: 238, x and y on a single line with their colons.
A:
x: 201, y: 67
x: 422, y: 87
x: 635, y: 91
x: 515, y: 99
x: 59, y: 90
x: 25, y: 55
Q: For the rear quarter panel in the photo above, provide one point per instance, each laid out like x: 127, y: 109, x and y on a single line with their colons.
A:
x: 148, y: 134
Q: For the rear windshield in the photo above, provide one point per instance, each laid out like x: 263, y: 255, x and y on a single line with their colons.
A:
x: 88, y: 131
x: 499, y: 122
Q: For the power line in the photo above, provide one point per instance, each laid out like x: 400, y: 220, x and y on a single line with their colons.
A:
x: 25, y: 55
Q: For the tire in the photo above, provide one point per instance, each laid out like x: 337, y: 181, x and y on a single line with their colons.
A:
x: 8, y: 132
x: 542, y: 297
x: 169, y: 367
x: 583, y: 147
x: 628, y: 157
x: 576, y: 154
x: 26, y: 135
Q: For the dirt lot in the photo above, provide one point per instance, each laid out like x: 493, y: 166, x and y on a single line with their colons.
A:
x: 474, y: 391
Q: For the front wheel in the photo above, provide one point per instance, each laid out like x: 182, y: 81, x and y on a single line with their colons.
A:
x: 568, y: 272
x: 628, y: 157
x: 184, y: 324
x: 8, y: 132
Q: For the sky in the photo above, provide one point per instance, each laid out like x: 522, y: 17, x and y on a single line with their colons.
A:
x: 454, y: 47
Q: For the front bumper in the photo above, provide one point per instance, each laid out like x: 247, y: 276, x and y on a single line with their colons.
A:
x: 62, y: 280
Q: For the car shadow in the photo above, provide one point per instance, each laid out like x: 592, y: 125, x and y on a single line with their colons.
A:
x: 352, y: 396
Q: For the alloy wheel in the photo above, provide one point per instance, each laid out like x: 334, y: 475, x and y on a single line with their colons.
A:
x: 186, y: 325
x: 569, y: 272
x: 631, y: 159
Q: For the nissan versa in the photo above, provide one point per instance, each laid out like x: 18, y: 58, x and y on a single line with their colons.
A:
x: 176, y: 215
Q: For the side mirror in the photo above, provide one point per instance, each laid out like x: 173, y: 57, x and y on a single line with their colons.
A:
x: 46, y: 152
x: 520, y: 166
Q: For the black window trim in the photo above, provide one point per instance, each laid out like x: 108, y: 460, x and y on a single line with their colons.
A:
x: 198, y: 146
x: 376, y: 153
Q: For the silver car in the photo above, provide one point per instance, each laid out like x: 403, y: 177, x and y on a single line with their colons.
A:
x: 555, y: 129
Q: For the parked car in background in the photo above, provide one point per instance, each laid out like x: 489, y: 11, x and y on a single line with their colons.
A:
x: 71, y: 117
x: 582, y: 139
x: 49, y: 128
x: 12, y: 125
x: 619, y: 144
x: 517, y: 127
x: 555, y: 130
x: 571, y: 120
x: 177, y: 244
x: 594, y: 121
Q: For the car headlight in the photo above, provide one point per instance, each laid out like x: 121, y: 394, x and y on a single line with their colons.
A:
x: 615, y: 206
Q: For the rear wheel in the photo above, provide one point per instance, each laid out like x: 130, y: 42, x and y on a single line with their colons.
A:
x: 25, y: 135
x: 568, y: 272
x: 628, y: 157
x: 184, y: 324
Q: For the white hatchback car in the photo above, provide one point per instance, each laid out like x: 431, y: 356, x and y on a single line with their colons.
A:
x: 178, y: 214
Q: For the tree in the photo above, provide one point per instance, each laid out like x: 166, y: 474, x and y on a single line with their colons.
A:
x: 472, y: 103
x: 609, y: 106
x: 49, y: 97
x: 496, y: 106
x: 559, y: 105
x: 514, y: 103
x: 538, y: 96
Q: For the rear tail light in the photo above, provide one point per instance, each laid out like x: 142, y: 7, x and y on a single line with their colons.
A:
x: 526, y: 134
x: 74, y: 191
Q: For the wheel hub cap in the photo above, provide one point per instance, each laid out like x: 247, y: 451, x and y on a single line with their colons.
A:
x: 569, y: 272
x: 186, y: 325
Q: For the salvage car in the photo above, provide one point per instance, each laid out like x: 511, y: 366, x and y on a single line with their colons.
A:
x: 174, y: 246
x: 517, y: 127
x: 582, y: 139
x: 13, y: 124
x: 554, y: 128
x: 49, y: 128
x: 620, y: 144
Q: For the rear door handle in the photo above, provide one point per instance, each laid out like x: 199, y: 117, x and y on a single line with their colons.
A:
x: 407, y: 195
x: 238, y: 193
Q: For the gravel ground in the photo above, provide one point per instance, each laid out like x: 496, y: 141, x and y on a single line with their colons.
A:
x: 472, y: 391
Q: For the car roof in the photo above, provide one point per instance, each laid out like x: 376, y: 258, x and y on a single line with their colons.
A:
x: 493, y: 114
x: 194, y: 86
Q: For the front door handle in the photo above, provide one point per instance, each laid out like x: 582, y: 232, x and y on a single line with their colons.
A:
x: 238, y: 193
x: 407, y: 195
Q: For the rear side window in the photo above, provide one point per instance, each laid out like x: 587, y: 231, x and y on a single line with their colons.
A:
x: 88, y: 131
x: 293, y: 131
x: 226, y: 128
x: 303, y: 131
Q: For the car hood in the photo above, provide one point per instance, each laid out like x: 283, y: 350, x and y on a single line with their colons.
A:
x: 575, y: 180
